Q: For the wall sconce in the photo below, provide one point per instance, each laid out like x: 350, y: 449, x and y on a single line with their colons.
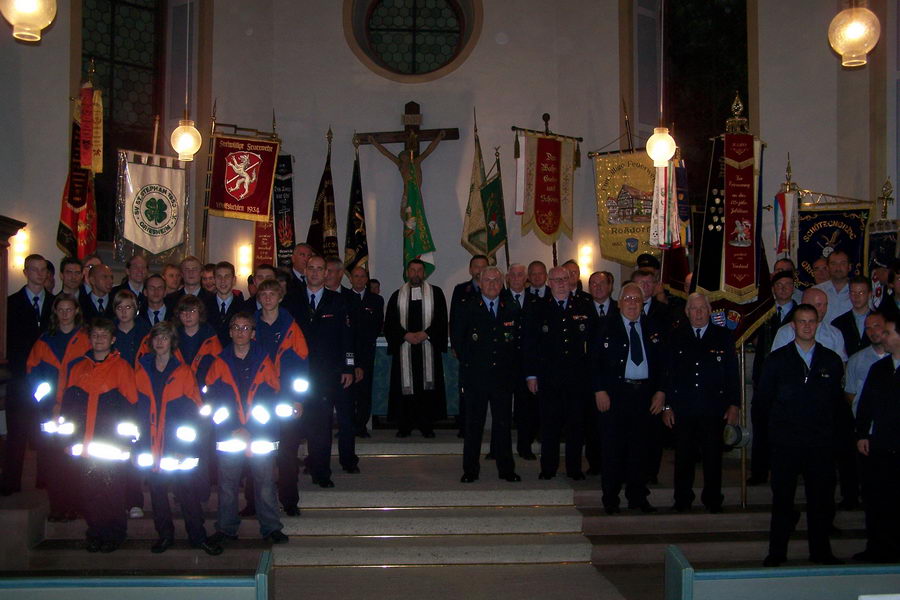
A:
x: 28, y: 17
x: 244, y: 261
x: 19, y: 245
x: 586, y: 260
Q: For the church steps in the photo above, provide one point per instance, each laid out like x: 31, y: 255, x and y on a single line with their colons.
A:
x: 699, y: 522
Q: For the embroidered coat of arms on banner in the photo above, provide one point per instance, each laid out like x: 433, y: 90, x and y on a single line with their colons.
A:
x: 243, y: 173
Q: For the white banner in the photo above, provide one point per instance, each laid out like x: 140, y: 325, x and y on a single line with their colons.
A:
x: 154, y: 214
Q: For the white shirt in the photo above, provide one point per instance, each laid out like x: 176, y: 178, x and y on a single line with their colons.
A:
x: 858, y: 369
x: 633, y: 371
x: 31, y: 296
x: 838, y: 301
x: 826, y: 334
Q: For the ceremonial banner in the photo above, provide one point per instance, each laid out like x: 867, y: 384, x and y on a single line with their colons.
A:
x: 356, y: 244
x: 882, y: 245
x: 77, y: 231
x: 153, y: 193
x: 91, y: 128
x: 684, y: 203
x: 727, y: 264
x: 544, y: 174
x: 623, y: 184
x: 263, y: 244
x: 665, y: 225
x: 417, y: 240
x: 322, y: 234
x: 494, y: 214
x: 785, y: 204
x: 474, y: 233
x: 283, y: 209
x: 243, y: 173
x: 824, y: 228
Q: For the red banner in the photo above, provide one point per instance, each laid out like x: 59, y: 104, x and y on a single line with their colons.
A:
x: 77, y: 231
x: 739, y: 264
x: 87, y: 126
x: 263, y: 244
x: 242, y: 176
x: 546, y: 185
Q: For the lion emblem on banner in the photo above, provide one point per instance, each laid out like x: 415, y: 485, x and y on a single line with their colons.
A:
x: 241, y: 171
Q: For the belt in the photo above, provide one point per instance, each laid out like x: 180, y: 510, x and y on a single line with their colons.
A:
x: 635, y: 381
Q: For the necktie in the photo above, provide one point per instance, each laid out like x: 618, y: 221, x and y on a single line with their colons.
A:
x: 602, y: 310
x: 519, y: 302
x: 223, y: 311
x: 312, y: 301
x: 155, y: 317
x: 634, y: 340
x: 37, y: 308
x: 562, y: 304
x: 491, y: 308
x: 779, y: 314
x: 698, y: 333
x: 100, y: 305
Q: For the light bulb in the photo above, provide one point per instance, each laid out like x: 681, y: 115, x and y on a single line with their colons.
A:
x: 186, y: 140
x: 853, y: 33
x: 28, y: 17
x: 661, y: 147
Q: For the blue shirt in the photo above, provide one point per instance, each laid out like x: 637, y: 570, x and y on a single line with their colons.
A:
x: 806, y: 355
x: 488, y: 302
x: 32, y: 296
x: 633, y: 371
x: 317, y: 294
x: 857, y: 371
x: 227, y: 302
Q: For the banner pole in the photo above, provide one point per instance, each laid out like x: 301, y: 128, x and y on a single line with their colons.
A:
x: 742, y: 362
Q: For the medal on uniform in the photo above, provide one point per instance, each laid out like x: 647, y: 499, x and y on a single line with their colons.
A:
x: 545, y: 329
x: 581, y: 327
x: 474, y: 337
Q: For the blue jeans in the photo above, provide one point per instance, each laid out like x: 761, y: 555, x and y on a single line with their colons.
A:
x: 261, y: 467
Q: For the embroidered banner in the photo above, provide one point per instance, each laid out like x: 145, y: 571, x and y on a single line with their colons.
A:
x: 154, y: 201
x: 356, y: 243
x: 824, y: 228
x: 623, y: 185
x: 243, y: 174
x: 322, y: 233
x: 77, y: 231
x: 739, y: 265
x: 283, y: 209
x: 545, y: 176
x: 785, y: 205
x: 263, y: 244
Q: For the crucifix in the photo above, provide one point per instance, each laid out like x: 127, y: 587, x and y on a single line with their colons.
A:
x: 410, y: 137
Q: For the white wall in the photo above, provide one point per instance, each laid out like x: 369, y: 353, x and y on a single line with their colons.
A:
x: 34, y: 112
x: 533, y: 57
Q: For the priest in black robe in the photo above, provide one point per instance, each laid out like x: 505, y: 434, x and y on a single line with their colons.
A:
x: 415, y: 326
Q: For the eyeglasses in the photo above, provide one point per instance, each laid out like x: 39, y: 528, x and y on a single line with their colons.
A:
x: 630, y: 299
x: 242, y: 328
x: 188, y: 310
x: 125, y: 307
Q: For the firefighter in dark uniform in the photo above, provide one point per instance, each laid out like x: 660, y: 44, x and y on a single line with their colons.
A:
x: 486, y: 335
x: 628, y: 368
x: 556, y: 338
x: 801, y: 387
x: 702, y: 394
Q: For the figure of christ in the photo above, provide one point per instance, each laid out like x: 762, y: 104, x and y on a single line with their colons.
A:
x: 406, y: 159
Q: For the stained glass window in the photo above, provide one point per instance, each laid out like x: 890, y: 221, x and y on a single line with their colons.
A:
x: 415, y: 36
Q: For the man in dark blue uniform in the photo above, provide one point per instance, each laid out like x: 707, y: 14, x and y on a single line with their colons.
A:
x: 371, y: 320
x: 486, y: 335
x: 801, y: 387
x: 557, y: 334
x: 461, y: 293
x: 628, y: 371
x: 526, y: 414
x: 324, y: 319
x: 702, y: 394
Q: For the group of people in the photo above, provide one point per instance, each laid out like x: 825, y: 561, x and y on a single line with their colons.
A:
x: 178, y: 383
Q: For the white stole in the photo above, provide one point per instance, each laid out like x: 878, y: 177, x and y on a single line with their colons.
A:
x: 406, y: 378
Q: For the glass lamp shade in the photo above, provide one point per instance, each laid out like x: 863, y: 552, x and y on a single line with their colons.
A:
x: 661, y: 146
x: 853, y: 33
x: 186, y: 140
x: 28, y: 17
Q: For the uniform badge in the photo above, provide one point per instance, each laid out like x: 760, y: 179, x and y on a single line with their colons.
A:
x: 581, y: 327
x: 474, y: 337
x: 606, y: 344
x: 545, y: 329
x: 719, y: 358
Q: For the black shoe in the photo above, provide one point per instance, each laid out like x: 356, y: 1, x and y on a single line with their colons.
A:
x: 5, y: 491
x: 715, y: 509
x: 848, y: 504
x: 867, y: 556
x: 612, y: 510
x: 324, y: 483
x: 161, y: 545
x: 489, y: 456
x: 644, y: 507
x: 682, y: 508
x: 363, y: 433
x: 592, y: 471
x: 219, y: 538
x: 468, y: 478
x: 544, y: 475
x: 107, y: 547
x: 829, y: 559
x: 773, y: 561
x: 528, y: 455
x: 292, y: 511
x: 511, y: 477
x: 352, y: 470
x: 653, y: 480
x: 576, y: 476
x: 248, y: 511
x: 402, y: 434
x: 428, y: 434
x: 277, y: 537
x: 460, y: 434
x: 93, y: 545
x: 209, y: 548
x: 756, y: 480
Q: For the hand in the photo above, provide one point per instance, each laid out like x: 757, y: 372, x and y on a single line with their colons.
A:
x: 668, y: 418
x: 732, y: 415
x: 357, y: 374
x: 657, y: 403
x: 532, y: 385
x: 411, y: 337
x: 863, y: 447
x: 422, y: 336
x: 602, y: 400
x: 346, y: 380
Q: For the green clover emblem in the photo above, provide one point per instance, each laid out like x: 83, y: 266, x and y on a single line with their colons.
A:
x: 155, y: 210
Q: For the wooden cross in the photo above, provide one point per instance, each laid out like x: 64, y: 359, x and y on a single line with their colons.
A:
x: 412, y: 120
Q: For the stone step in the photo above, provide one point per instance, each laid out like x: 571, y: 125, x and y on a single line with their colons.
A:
x: 662, y: 496
x: 434, y: 550
x: 376, y: 522
x: 134, y: 558
x: 698, y: 522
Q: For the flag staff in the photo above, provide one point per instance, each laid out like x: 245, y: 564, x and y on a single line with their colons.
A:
x: 505, y: 242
